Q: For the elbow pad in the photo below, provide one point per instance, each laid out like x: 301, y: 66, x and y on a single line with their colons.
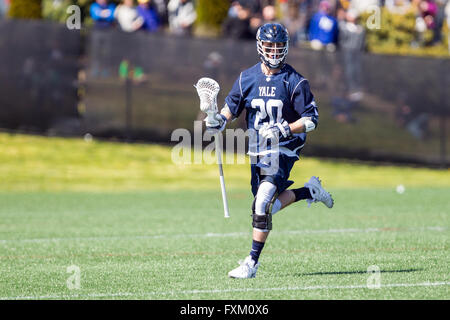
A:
x: 309, y: 125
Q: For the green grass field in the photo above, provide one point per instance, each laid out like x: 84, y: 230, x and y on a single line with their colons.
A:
x: 137, y: 226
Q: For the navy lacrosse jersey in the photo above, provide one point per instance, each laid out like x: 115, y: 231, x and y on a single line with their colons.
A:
x: 271, y: 99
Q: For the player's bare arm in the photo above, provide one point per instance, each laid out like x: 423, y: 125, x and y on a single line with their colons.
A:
x: 226, y: 113
x: 302, y: 125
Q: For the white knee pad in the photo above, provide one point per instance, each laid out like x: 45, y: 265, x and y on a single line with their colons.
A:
x: 262, y: 219
x: 265, y: 194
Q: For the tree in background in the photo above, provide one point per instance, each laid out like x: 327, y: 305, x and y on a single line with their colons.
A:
x: 56, y: 10
x: 25, y: 9
x: 210, y: 16
x: 397, y: 33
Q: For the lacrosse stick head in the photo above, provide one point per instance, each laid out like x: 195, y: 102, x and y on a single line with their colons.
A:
x: 207, y: 90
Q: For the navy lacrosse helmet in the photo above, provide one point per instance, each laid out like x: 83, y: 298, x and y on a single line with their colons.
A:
x: 272, y: 43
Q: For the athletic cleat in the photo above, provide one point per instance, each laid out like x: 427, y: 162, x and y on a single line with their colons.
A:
x: 318, y: 193
x: 246, y: 270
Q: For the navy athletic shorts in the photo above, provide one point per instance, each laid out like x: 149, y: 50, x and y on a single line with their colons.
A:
x: 278, y: 175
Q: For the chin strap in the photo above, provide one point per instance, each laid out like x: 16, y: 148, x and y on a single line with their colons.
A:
x: 270, y: 67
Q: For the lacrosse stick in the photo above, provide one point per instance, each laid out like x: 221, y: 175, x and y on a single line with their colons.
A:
x: 207, y: 90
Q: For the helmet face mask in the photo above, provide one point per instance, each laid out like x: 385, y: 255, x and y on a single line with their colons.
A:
x: 272, y: 45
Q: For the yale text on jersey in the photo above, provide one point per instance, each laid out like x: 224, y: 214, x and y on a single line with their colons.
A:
x: 267, y: 91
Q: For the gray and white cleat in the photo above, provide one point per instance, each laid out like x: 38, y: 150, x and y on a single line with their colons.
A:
x: 318, y: 193
x: 246, y: 270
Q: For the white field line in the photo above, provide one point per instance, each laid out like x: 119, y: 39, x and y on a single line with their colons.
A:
x: 222, y: 235
x: 172, y: 293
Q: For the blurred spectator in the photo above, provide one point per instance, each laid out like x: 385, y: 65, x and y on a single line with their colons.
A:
x: 348, y: 93
x: 418, y: 126
x: 343, y: 109
x: 102, y: 13
x: 323, y: 29
x: 284, y: 8
x: 268, y: 14
x: 402, y: 113
x: 161, y: 9
x: 308, y: 8
x: 447, y: 13
x: 257, y: 13
x: 439, y: 22
x: 182, y: 16
x: 212, y: 64
x: 294, y: 19
x: 233, y: 10
x: 352, y: 43
x: 426, y: 10
x: 237, y: 23
x: 128, y: 17
x: 351, y: 33
x: 415, y: 122
x: 4, y: 6
x: 148, y: 13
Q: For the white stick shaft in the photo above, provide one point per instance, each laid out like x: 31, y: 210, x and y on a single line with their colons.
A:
x: 222, y: 179
x: 224, y: 198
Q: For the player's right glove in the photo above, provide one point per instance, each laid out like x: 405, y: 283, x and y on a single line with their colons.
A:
x: 276, y: 131
x: 218, y: 128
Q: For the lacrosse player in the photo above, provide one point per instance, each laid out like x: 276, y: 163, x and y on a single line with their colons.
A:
x: 281, y: 110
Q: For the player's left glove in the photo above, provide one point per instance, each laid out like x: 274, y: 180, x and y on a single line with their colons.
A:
x: 276, y: 131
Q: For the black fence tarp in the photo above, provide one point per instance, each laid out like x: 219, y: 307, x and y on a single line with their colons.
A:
x: 140, y: 87
x: 38, y: 75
